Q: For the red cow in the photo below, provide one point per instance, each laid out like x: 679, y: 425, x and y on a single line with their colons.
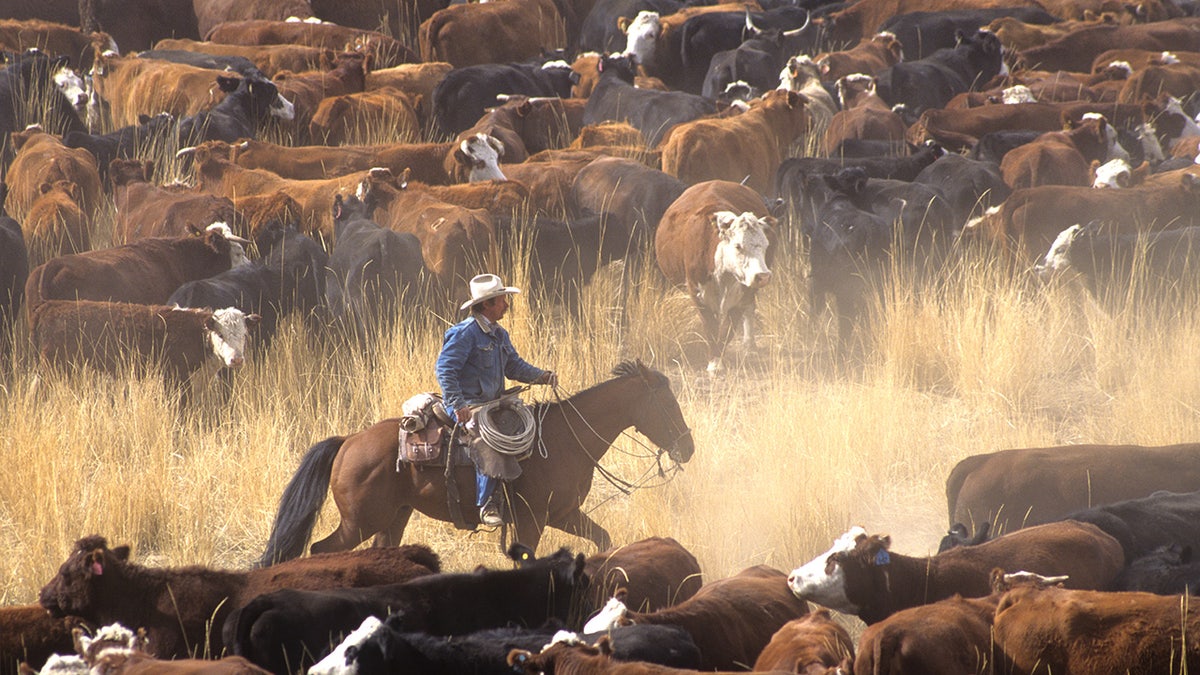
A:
x: 810, y: 645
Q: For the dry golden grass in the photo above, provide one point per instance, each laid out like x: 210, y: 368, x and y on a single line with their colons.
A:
x: 793, y: 444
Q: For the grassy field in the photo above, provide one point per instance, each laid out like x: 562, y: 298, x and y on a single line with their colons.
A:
x: 793, y: 442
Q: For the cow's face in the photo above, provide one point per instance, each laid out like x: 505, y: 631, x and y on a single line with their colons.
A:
x: 82, y: 577
x: 1115, y: 173
x: 481, y: 153
x: 226, y: 331
x: 265, y: 95
x: 742, y: 247
x: 71, y: 86
x: 337, y: 662
x: 641, y: 35
x: 799, y: 71
x: 1058, y: 258
x: 823, y: 583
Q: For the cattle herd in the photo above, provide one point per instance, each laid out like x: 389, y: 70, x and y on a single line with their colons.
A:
x: 695, y: 138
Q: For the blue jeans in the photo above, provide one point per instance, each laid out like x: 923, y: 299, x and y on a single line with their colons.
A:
x: 484, y: 487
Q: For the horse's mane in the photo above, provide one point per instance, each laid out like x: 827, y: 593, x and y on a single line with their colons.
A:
x: 629, y: 368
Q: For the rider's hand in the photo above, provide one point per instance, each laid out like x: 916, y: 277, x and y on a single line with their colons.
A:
x: 463, y: 414
x: 549, y: 377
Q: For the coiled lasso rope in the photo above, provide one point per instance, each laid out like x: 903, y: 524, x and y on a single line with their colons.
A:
x: 502, y: 443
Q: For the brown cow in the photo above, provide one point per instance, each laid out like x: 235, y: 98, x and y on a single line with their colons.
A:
x: 387, y: 52
x: 960, y: 129
x: 608, y: 133
x: 42, y: 158
x: 1076, y: 50
x: 626, y: 186
x: 54, y: 38
x: 116, y: 650
x: 716, y: 241
x: 145, y: 271
x: 501, y: 199
x: 131, y: 87
x: 1179, y: 80
x: 655, y: 573
x: 55, y: 225
x: 424, y: 160
x: 862, y: 577
x: 863, y: 116
x: 1058, y: 157
x: 1137, y: 59
x: 549, y: 183
x: 270, y: 59
x: 501, y: 32
x: 810, y: 645
x: 414, y: 79
x: 29, y: 634
x: 524, y: 126
x: 583, y: 659
x: 178, y: 606
x: 366, y: 115
x: 1065, y: 632
x: 1030, y: 219
x: 731, y: 619
x: 209, y: 13
x: 862, y: 19
x: 105, y: 334
x: 746, y: 148
x: 1040, y: 485
x: 307, y: 90
x: 882, y: 51
x: 588, y: 75
x: 1017, y: 35
x: 148, y: 210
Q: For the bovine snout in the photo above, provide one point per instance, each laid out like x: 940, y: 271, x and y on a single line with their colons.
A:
x: 759, y: 279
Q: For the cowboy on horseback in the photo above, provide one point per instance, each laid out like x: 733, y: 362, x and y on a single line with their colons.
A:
x: 477, y: 355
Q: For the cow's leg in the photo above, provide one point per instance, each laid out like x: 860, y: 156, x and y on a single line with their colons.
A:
x: 712, y: 335
x: 581, y: 524
x: 393, y: 534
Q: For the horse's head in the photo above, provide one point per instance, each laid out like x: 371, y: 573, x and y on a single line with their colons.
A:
x: 656, y: 414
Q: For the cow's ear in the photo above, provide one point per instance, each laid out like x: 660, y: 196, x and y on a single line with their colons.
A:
x: 337, y: 207
x: 44, y: 188
x: 461, y: 157
x: 604, y: 644
x: 1191, y: 182
x: 253, y: 320
x: 121, y: 553
x: 228, y: 84
x: 574, y: 77
x: 959, y: 36
x: 496, y: 144
x: 193, y: 230
x: 210, y: 322
x: 769, y: 222
x: 524, y: 108
x: 623, y: 24
x: 723, y: 220
x: 517, y: 658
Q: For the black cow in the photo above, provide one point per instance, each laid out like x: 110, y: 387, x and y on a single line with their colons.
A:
x: 1167, y: 570
x: 867, y: 147
x: 1165, y: 262
x: 247, y: 105
x: 786, y: 31
x: 932, y: 81
x: 600, y: 32
x: 790, y: 174
x: 373, y: 269
x: 615, y: 99
x: 238, y: 64
x: 1144, y: 524
x: 994, y: 145
x: 462, y: 97
x: 123, y: 143
x: 283, y: 629
x: 14, y: 270
x: 566, y: 254
x: 923, y: 33
x: 391, y: 650
x: 959, y: 536
x: 29, y: 76
x: 970, y: 186
x: 628, y: 187
x: 924, y: 214
x: 848, y: 250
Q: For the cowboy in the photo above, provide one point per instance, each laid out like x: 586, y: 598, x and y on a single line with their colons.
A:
x: 477, y: 355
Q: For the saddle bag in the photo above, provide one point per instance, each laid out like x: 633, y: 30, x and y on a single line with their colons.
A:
x: 424, y: 445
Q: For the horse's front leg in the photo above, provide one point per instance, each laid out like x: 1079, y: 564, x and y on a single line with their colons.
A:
x: 394, y: 533
x: 581, y: 524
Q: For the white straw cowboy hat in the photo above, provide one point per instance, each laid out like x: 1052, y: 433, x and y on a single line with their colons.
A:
x: 487, y: 286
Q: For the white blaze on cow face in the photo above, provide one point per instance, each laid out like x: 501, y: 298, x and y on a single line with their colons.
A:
x: 226, y: 332
x: 824, y: 582
x: 1151, y: 149
x: 483, y: 153
x: 1190, y: 128
x: 1115, y: 173
x: 1058, y: 257
x: 237, y: 253
x: 1017, y: 94
x: 742, y: 248
x: 640, y: 37
x: 1168, y: 59
x: 283, y: 108
x: 335, y: 663
x: 71, y: 85
x: 608, y: 618
x: 59, y: 664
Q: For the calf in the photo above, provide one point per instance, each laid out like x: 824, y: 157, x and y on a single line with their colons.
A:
x: 147, y: 210
x: 116, y: 650
x: 1167, y: 570
x: 270, y: 59
x: 146, y: 271
x: 29, y: 634
x: 375, y: 269
x: 871, y: 56
x: 423, y: 160
x: 514, y: 31
x: 283, y: 629
x: 746, y: 148
x: 734, y: 618
x: 1076, y: 50
x: 790, y: 176
x: 871, y: 582
x: 55, y: 223
x: 922, y: 33
x: 178, y: 606
x: 969, y: 186
x: 863, y: 115
x: 248, y: 103
x: 386, y: 51
x: 43, y: 158
x: 1054, y: 630
x: 104, y: 334
x: 125, y: 142
x: 716, y: 241
x: 811, y: 644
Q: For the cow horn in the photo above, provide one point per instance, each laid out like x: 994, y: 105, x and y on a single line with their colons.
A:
x: 801, y: 29
x: 750, y: 24
x: 185, y: 152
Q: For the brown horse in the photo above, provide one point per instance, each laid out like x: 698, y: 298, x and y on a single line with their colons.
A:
x: 373, y: 498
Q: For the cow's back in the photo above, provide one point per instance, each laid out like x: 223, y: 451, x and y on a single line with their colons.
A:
x: 686, y: 240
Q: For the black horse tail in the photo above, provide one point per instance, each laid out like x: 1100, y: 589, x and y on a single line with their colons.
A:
x: 300, y: 503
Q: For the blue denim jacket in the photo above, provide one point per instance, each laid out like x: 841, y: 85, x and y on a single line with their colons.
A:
x: 474, y: 362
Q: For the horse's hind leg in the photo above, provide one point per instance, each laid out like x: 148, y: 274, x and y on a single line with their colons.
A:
x: 344, y: 538
x: 394, y: 533
x: 581, y: 524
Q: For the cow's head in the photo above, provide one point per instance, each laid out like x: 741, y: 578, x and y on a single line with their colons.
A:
x: 1058, y: 258
x: 742, y: 247
x: 262, y: 96
x: 90, y: 570
x: 220, y: 239
x: 226, y: 331
x: 624, y: 67
x: 641, y: 35
x: 481, y: 155
x: 1017, y: 93
x: 1115, y: 173
x: 799, y: 71
x: 610, y: 616
x: 851, y: 87
x: 819, y: 581
x: 340, y: 661
x: 71, y: 86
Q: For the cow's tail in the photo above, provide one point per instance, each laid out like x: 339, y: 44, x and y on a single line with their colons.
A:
x: 958, y: 476
x: 238, y: 640
x: 428, y: 34
x: 300, y: 503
